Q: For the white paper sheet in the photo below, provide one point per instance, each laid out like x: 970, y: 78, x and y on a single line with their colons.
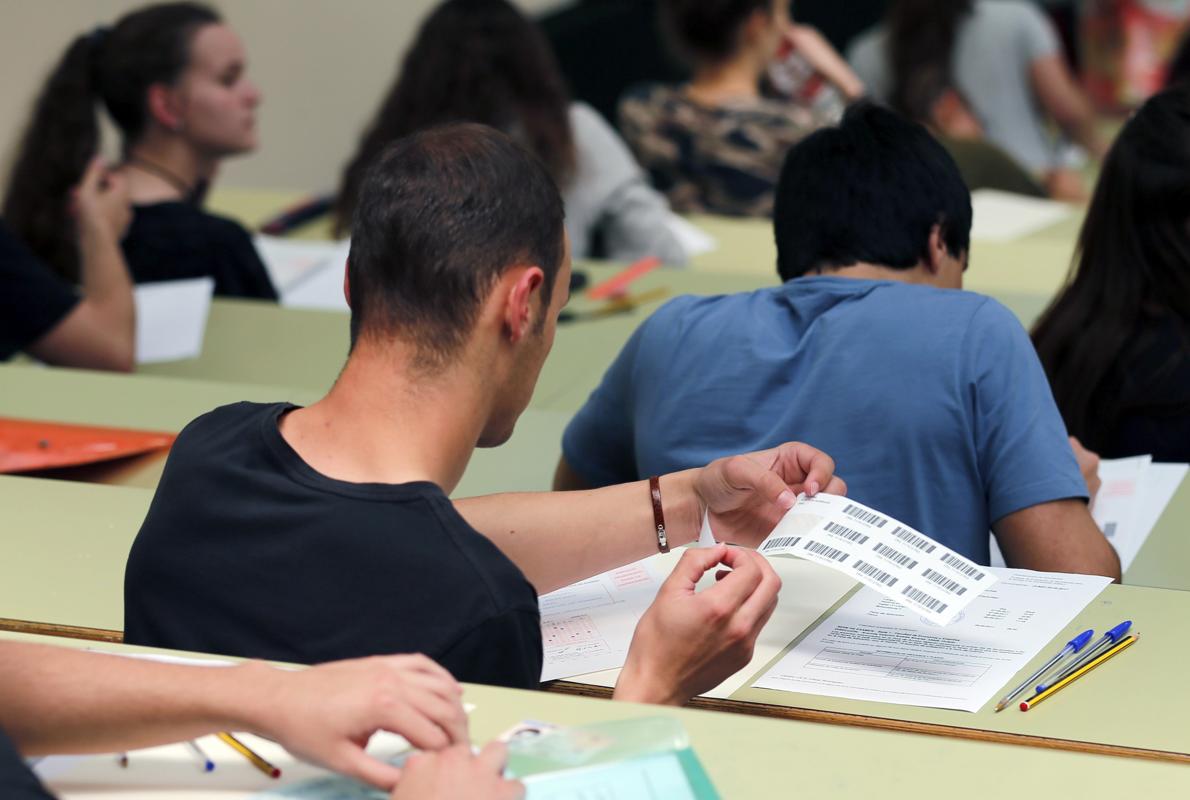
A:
x: 896, y: 560
x: 1161, y: 483
x: 873, y: 649
x: 1005, y: 217
x: 321, y: 288
x: 171, y: 319
x: 289, y: 261
x: 694, y: 240
x: 807, y: 592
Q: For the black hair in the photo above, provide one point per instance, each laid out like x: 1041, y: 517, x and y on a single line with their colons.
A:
x: 869, y: 190
x: 1178, y: 71
x: 442, y: 213
x: 114, y: 67
x: 921, y: 43
x: 1131, y: 268
x: 707, y: 30
x: 475, y: 61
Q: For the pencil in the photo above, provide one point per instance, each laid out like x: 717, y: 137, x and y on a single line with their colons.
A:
x: 1037, y: 698
x: 254, y: 758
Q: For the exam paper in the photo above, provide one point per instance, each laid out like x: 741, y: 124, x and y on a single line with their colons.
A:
x: 873, y: 649
x: 171, y: 319
x: 1005, y: 217
x: 321, y: 287
x: 694, y: 240
x: 289, y: 261
x: 897, y: 561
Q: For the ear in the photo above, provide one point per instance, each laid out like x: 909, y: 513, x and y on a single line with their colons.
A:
x: 936, y: 251
x: 165, y: 107
x: 347, y: 283
x: 523, y: 287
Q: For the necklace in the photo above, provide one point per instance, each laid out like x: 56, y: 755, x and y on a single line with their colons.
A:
x: 172, y: 178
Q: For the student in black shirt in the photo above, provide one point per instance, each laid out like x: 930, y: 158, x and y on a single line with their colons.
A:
x: 172, y: 78
x: 1116, y: 342
x: 313, y: 533
x: 55, y: 700
x: 44, y: 316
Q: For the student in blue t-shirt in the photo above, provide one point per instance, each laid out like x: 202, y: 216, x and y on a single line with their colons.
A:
x: 931, y: 399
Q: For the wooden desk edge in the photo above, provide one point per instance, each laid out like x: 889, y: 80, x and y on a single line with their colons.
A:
x: 734, y: 706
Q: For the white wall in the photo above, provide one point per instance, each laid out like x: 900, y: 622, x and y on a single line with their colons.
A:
x: 321, y: 65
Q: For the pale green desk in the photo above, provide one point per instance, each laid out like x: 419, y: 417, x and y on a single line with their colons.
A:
x: 747, y: 757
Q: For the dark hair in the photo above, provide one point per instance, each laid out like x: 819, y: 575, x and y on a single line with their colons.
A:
x: 869, y: 190
x: 115, y: 67
x: 1132, y: 267
x: 442, y: 214
x: 1178, y: 71
x: 921, y: 42
x: 472, y: 61
x: 707, y: 30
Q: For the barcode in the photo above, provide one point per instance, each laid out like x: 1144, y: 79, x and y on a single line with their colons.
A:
x: 945, y: 582
x: 825, y: 550
x: 932, y: 603
x: 917, y: 541
x: 847, y: 533
x: 784, y: 541
x: 892, y: 555
x: 875, y: 573
x: 866, y: 516
x: 962, y: 566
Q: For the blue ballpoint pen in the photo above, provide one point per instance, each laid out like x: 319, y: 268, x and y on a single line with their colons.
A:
x: 1073, y: 646
x: 1107, y: 640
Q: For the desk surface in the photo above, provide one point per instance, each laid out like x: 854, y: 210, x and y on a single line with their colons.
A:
x: 747, y: 757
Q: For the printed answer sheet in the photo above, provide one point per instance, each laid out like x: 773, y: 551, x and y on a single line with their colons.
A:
x: 897, y: 561
x: 171, y: 319
x: 873, y: 649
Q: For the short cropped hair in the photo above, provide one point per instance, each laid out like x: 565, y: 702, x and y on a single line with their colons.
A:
x: 868, y: 190
x: 707, y: 30
x: 442, y: 214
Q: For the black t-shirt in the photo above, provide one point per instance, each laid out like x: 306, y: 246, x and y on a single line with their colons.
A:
x: 173, y: 240
x: 248, y: 551
x: 17, y: 781
x: 1153, y: 380
x: 32, y: 299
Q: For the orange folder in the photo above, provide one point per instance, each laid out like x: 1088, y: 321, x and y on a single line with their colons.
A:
x: 31, y: 445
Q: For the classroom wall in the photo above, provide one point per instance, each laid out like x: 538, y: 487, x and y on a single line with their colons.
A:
x: 321, y: 65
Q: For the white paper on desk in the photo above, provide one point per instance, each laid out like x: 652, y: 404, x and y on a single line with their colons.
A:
x: 1006, y: 217
x: 588, y: 626
x: 807, y: 592
x: 321, y: 288
x: 288, y: 261
x: 171, y: 319
x: 873, y: 649
x: 896, y: 560
x: 694, y: 240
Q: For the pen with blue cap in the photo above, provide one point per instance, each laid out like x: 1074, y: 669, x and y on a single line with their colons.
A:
x: 1073, y: 646
x: 1105, y: 641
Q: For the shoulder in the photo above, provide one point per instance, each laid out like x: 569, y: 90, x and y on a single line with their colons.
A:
x: 225, y: 424
x: 1009, y: 16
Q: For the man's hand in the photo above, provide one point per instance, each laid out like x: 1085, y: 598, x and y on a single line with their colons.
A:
x: 456, y: 774
x: 1088, y: 465
x: 100, y: 202
x: 326, y: 714
x: 747, y: 495
x: 688, y: 643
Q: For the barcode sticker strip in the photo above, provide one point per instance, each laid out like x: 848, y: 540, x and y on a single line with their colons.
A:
x: 932, y: 603
x: 913, y: 539
x: 846, y: 533
x: 897, y: 557
x: 867, y: 516
x: 962, y: 566
x: 826, y: 551
x: 946, y: 583
x: 784, y: 541
x: 875, y: 573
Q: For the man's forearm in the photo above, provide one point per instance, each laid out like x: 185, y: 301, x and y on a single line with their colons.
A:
x: 557, y: 538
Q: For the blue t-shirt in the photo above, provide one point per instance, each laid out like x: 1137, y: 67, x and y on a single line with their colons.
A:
x: 931, y: 401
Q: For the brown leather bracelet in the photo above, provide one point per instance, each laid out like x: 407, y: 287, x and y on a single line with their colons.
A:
x: 658, y: 514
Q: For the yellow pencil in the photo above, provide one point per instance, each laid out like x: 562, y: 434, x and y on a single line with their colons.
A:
x: 252, y: 756
x: 1090, y: 665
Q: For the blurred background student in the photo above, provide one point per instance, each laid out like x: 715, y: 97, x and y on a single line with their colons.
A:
x: 1116, y: 341
x: 1004, y: 59
x: 484, y: 61
x: 172, y: 77
x: 43, y: 315
x: 760, y: 84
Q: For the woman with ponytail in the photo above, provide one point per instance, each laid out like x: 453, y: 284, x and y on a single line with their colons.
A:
x: 1116, y: 342
x: 171, y: 77
x: 1002, y: 59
